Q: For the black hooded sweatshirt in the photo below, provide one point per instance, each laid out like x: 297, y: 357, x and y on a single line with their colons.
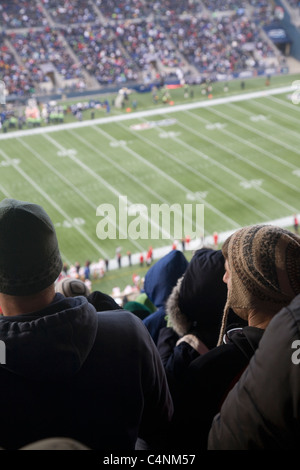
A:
x: 208, y: 380
x: 72, y: 372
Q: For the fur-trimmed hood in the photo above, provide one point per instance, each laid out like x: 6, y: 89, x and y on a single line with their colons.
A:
x: 180, y: 322
x: 199, y: 296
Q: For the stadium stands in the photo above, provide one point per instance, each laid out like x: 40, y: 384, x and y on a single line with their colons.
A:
x: 46, y: 45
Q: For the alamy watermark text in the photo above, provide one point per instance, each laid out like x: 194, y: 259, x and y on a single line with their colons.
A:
x: 162, y: 221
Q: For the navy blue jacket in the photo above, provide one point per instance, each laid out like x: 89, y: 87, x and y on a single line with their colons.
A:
x: 159, y: 282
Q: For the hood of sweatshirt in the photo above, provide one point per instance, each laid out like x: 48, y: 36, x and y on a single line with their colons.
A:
x: 163, y: 275
x: 52, y: 343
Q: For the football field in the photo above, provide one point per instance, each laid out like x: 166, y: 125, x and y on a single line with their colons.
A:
x: 239, y: 156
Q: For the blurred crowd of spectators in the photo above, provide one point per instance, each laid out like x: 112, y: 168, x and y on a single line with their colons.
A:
x: 99, y: 52
x: 124, y: 41
x: 41, y: 47
x: 224, y: 46
x: 138, y: 9
x: 21, y: 14
x: 70, y: 12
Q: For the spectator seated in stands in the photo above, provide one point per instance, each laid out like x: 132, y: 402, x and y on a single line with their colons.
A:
x: 140, y: 310
x: 69, y: 287
x: 194, y: 310
x: 144, y: 299
x: 69, y: 370
x: 158, y: 285
x: 262, y: 264
x: 261, y: 412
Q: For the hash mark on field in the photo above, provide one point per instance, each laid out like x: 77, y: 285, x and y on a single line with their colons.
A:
x: 10, y: 162
x: 215, y: 126
x: 169, y: 135
x: 194, y: 196
x: 258, y: 117
x: 66, y: 152
x: 118, y: 143
x: 251, y: 184
x: 67, y: 224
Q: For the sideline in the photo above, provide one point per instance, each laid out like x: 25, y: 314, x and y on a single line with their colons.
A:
x: 196, y: 244
x: 147, y: 113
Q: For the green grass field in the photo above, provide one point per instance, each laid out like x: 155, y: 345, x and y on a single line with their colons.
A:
x: 240, y: 158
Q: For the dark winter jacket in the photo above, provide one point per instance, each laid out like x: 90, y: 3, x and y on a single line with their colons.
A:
x: 73, y: 372
x: 208, y: 380
x: 195, y: 309
x: 159, y: 282
x: 262, y: 411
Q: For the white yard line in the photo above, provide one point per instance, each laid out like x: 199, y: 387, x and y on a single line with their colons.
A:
x: 256, y: 131
x: 248, y: 143
x: 63, y: 178
x: 128, y: 174
x: 185, y: 189
x: 198, y: 173
x: 98, y: 178
x: 147, y: 113
x: 4, y: 191
x: 39, y: 189
x: 119, y: 167
x: 285, y: 103
x: 52, y: 202
x: 285, y: 116
x: 248, y: 161
x: 240, y: 157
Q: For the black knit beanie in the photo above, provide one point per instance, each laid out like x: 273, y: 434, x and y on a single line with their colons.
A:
x: 29, y: 254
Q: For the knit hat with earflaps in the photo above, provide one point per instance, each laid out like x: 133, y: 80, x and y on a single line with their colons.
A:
x: 29, y: 255
x: 264, y: 264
